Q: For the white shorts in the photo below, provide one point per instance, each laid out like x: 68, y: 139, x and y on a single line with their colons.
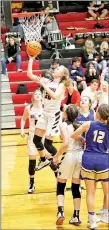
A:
x: 49, y: 122
x: 30, y: 145
x: 70, y: 165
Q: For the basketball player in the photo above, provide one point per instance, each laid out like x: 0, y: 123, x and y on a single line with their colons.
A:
x: 33, y: 112
x: 95, y: 161
x: 49, y: 121
x: 85, y: 111
x: 70, y: 165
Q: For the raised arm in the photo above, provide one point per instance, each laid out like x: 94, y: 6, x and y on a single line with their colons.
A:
x: 30, y: 71
x: 23, y: 120
x: 82, y: 129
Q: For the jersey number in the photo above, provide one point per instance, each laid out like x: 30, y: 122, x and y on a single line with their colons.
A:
x: 98, y: 136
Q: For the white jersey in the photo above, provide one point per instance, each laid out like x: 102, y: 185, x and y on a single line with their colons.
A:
x: 49, y: 103
x: 34, y: 114
x: 73, y: 145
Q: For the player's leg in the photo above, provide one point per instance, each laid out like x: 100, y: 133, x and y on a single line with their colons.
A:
x: 61, y: 184
x: 105, y: 215
x: 43, y: 162
x: 76, y: 193
x: 31, y: 170
x: 63, y: 173
x: 90, y: 200
x: 32, y: 161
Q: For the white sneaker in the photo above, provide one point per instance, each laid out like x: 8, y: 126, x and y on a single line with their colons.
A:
x: 75, y: 221
x: 31, y: 188
x: 42, y: 164
x: 105, y: 218
x: 100, y: 212
x: 3, y: 75
x: 19, y: 70
x: 60, y: 218
x: 97, y: 219
x: 92, y: 223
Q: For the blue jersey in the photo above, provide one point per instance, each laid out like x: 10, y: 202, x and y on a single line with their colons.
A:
x: 81, y: 119
x: 97, y: 138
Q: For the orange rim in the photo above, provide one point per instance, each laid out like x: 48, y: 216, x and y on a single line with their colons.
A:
x: 27, y: 14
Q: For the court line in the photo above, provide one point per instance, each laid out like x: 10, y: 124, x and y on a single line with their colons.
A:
x: 21, y: 194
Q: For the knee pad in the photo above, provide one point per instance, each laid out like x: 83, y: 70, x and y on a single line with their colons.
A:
x: 48, y: 144
x: 76, y: 191
x: 32, y: 165
x: 60, y: 188
x: 38, y: 143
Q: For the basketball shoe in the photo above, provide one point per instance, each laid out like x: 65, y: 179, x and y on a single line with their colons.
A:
x: 31, y: 187
x: 105, y: 217
x: 75, y: 221
x: 42, y: 164
x: 92, y: 222
x: 60, y: 218
x: 100, y: 212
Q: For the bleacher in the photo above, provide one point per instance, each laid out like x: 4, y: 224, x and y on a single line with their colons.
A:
x: 13, y: 104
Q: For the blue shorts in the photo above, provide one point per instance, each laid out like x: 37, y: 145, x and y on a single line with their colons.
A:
x: 95, y: 166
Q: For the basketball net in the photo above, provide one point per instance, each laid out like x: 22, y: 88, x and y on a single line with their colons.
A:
x: 32, y: 28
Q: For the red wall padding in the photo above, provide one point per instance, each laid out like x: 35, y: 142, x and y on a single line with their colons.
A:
x: 21, y: 98
x: 24, y: 66
x: 31, y: 86
x: 15, y: 77
x: 18, y: 121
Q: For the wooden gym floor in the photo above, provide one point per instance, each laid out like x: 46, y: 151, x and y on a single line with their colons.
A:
x: 21, y: 210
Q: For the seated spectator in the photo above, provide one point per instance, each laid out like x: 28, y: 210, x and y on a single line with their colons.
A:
x: 72, y: 96
x: 105, y: 74
x: 77, y: 74
x: 91, y: 73
x: 51, y: 25
x: 12, y: 54
x: 89, y: 54
x: 103, y: 54
x: 17, y: 27
x: 97, y: 6
x: 91, y: 92
x: 103, y: 94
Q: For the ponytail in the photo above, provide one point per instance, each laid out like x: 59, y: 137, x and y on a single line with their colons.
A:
x: 108, y: 122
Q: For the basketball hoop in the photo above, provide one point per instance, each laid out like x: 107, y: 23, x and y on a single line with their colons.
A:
x: 32, y: 27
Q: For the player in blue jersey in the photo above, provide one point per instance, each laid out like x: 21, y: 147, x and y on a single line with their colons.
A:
x: 95, y: 161
x: 85, y: 111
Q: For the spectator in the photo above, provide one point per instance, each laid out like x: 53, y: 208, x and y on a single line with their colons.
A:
x: 91, y: 92
x: 104, y: 54
x: 51, y: 25
x: 105, y: 74
x: 91, y: 73
x: 77, y: 74
x: 12, y: 54
x: 89, y: 54
x: 72, y: 96
x: 17, y: 27
x: 103, y: 94
x: 54, y: 64
x: 97, y: 7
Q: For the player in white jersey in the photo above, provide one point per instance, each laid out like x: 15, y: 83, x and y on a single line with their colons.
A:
x: 33, y: 112
x: 70, y: 165
x: 49, y: 121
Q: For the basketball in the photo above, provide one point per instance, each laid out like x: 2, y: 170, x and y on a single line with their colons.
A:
x: 34, y: 48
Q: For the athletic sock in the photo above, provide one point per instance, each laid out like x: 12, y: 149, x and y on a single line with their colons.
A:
x: 91, y: 213
x: 32, y: 180
x: 76, y: 213
x: 42, y: 159
x: 60, y: 209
